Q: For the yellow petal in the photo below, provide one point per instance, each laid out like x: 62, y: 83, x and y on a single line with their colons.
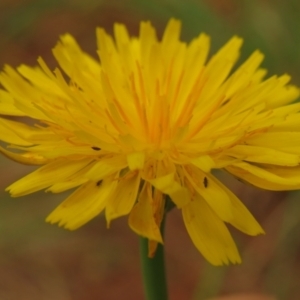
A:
x: 121, y: 35
x: 267, y: 174
x: 171, y: 35
x: 283, y: 94
x: 24, y: 158
x: 167, y: 185
x: 136, y: 160
x: 204, y: 162
x: 70, y: 57
x: 152, y: 246
x: 207, y: 187
x: 83, y: 205
x: 106, y: 166
x: 209, y: 233
x: 45, y: 176
x: 267, y: 183
x: 22, y: 134
x: 123, y: 198
x: 147, y: 40
x: 8, y: 133
x: 66, y: 185
x: 7, y: 106
x: 283, y: 141
x: 73, y: 181
x: 241, y: 219
x: 263, y: 155
x: 243, y: 74
x: 40, y: 79
x: 219, y: 67
x: 141, y: 219
x: 24, y: 94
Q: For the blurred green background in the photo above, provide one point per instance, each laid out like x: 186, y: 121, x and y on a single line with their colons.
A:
x: 41, y: 261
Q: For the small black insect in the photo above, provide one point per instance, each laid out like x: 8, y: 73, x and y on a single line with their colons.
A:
x: 99, y: 183
x: 96, y: 148
x: 205, y: 182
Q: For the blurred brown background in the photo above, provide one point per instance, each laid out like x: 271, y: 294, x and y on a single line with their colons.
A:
x: 39, y: 261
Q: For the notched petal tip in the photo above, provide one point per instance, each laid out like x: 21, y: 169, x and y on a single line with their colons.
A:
x: 209, y: 233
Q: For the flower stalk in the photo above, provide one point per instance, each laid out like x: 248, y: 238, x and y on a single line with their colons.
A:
x: 153, y: 271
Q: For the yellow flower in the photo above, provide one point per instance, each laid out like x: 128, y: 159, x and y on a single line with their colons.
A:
x: 149, y: 122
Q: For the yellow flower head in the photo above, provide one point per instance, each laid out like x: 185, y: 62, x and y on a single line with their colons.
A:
x: 148, y: 123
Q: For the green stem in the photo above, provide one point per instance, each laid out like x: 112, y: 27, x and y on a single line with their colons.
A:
x: 153, y: 270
